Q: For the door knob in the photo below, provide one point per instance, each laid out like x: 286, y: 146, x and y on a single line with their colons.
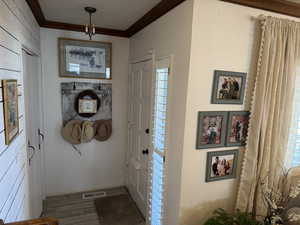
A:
x: 145, y: 152
x: 147, y: 131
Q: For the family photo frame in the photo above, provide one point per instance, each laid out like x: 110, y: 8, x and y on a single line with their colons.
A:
x: 221, y: 165
x: 85, y: 59
x: 228, y: 87
x: 237, y: 128
x: 211, y: 129
x: 222, y: 129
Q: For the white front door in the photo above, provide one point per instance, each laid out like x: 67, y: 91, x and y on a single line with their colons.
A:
x: 140, y: 84
x: 31, y: 70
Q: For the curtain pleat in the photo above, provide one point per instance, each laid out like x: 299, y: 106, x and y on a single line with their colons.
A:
x: 271, y: 110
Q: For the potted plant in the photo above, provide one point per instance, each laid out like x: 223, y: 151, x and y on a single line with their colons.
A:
x: 221, y: 217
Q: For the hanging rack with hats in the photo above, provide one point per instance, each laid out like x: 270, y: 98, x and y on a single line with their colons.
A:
x: 87, y: 112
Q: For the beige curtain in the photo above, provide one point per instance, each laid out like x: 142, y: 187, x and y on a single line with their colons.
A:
x: 270, y: 112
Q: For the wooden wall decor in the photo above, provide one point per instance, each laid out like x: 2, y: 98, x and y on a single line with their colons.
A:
x: 278, y: 6
x: 156, y: 12
x: 71, y: 90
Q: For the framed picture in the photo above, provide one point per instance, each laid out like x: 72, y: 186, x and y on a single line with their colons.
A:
x: 84, y: 59
x: 87, y: 106
x: 221, y: 165
x: 11, y: 113
x: 228, y: 87
x: 237, y: 129
x: 211, y: 129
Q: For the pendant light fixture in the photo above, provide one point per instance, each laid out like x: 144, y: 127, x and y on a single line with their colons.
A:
x: 90, y: 28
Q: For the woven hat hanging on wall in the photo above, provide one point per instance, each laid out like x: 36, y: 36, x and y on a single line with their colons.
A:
x: 72, y: 132
x: 103, y: 129
x: 88, y: 131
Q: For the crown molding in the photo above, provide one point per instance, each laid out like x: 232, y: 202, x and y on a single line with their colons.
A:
x: 36, y: 9
x: 278, y: 6
x: 80, y: 28
x: 156, y: 12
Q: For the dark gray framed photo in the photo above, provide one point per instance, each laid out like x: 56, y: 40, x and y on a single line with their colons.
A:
x: 228, y: 87
x: 85, y: 59
x: 211, y: 129
x: 237, y: 128
x: 221, y: 165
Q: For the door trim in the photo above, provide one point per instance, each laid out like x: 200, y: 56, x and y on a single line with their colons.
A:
x: 30, y: 53
x: 170, y: 59
x: 150, y: 55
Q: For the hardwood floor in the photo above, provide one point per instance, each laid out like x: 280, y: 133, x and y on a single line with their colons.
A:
x: 71, y: 209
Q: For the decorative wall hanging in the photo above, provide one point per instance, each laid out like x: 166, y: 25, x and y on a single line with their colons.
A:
x: 11, y: 113
x: 85, y: 59
x: 228, y: 87
x: 221, y: 165
x: 87, y: 103
x: 237, y: 130
x: 82, y: 100
x: 211, y: 129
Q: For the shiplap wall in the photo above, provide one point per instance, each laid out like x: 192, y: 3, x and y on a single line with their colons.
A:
x: 18, y: 29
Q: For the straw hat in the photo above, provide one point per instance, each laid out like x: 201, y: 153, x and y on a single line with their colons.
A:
x: 71, y: 132
x: 88, y: 131
x: 103, y: 129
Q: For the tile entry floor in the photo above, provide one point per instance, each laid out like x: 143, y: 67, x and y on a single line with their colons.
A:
x: 71, y: 209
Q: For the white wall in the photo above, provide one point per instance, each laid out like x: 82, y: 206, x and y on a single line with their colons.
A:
x: 102, y: 164
x: 171, y: 35
x: 17, y: 28
x: 225, y: 38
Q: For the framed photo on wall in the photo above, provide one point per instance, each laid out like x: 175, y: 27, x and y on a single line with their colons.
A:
x: 237, y: 130
x: 87, y: 106
x: 11, y: 113
x: 85, y: 59
x: 211, y: 129
x: 221, y: 165
x: 228, y: 87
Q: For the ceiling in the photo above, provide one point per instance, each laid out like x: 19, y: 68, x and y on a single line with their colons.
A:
x: 112, y: 14
x: 122, y: 18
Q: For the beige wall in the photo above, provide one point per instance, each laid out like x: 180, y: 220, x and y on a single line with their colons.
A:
x: 224, y: 37
x: 102, y: 164
x: 171, y: 35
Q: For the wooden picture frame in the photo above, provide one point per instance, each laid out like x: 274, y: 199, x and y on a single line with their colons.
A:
x: 85, y: 59
x: 221, y: 165
x: 211, y: 131
x: 237, y: 128
x: 228, y: 87
x: 11, y: 111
